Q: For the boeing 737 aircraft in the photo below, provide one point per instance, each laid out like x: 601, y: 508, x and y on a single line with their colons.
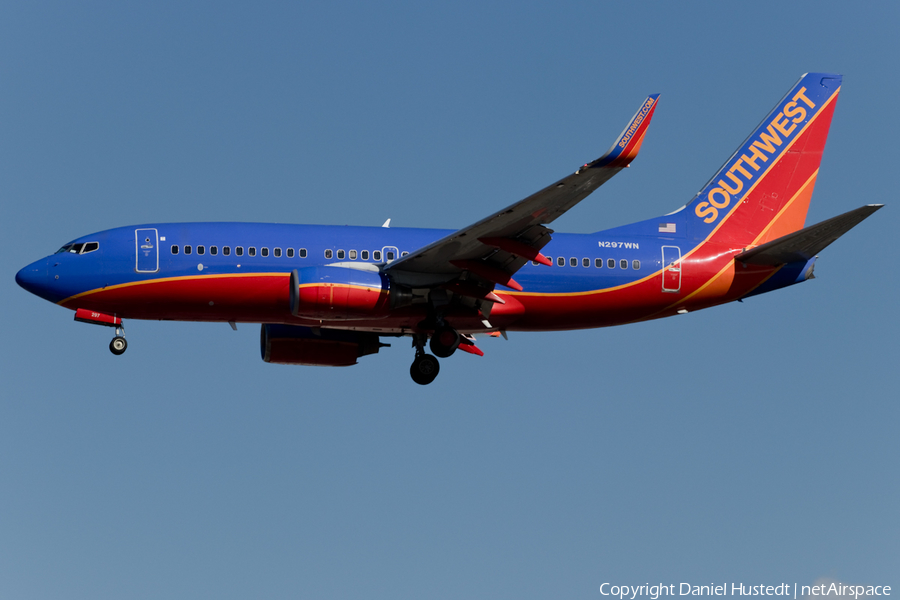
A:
x: 325, y: 294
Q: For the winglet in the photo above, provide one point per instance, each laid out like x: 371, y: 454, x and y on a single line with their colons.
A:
x: 626, y: 147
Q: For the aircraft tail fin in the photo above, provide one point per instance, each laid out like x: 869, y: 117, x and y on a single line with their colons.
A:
x: 763, y: 191
x: 802, y: 245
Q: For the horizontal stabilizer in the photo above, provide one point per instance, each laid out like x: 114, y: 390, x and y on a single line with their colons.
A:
x: 804, y: 244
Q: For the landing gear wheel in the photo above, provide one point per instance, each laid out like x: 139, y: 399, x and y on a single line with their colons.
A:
x: 118, y: 345
x: 445, y: 341
x: 424, y: 369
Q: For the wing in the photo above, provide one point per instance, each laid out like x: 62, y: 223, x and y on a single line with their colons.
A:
x: 472, y: 260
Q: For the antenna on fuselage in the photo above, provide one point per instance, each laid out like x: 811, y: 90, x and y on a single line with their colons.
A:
x: 387, y: 223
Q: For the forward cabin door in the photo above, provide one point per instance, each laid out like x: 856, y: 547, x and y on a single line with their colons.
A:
x: 671, y: 256
x: 146, y: 246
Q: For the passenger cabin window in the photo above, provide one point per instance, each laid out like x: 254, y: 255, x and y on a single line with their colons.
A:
x: 174, y: 249
x: 213, y: 250
x: 364, y: 255
x: 353, y: 255
x: 376, y: 255
x: 239, y: 250
x: 340, y: 255
x: 251, y: 251
x: 404, y: 253
x: 277, y: 252
x: 573, y: 262
x: 264, y: 251
x: 390, y: 255
x: 226, y: 250
x: 611, y: 263
x: 561, y: 261
x: 328, y: 254
x: 201, y: 250
x: 623, y: 264
x: 302, y: 252
x: 598, y: 262
x: 290, y: 253
x: 585, y: 262
x: 187, y: 249
x: 636, y: 264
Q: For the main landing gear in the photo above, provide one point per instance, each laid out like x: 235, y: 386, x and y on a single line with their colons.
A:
x: 425, y: 367
x: 444, y: 342
x: 118, y: 345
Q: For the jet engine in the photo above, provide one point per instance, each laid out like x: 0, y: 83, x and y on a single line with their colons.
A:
x: 293, y: 345
x: 340, y: 293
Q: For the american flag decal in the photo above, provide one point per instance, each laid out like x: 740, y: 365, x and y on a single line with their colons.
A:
x: 667, y: 227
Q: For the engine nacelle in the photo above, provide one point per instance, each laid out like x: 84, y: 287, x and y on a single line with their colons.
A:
x: 292, y: 345
x: 340, y: 293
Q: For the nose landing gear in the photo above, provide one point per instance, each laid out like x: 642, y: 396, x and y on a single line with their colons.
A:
x: 118, y: 345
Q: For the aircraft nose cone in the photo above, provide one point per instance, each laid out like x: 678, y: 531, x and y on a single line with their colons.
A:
x: 33, y: 278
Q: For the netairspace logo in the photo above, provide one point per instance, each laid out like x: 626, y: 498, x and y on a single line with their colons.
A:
x: 826, y: 588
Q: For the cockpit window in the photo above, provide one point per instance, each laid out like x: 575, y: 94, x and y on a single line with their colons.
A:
x: 80, y: 248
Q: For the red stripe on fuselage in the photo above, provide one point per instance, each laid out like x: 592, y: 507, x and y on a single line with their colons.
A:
x: 265, y: 298
x: 198, y: 298
x: 644, y: 300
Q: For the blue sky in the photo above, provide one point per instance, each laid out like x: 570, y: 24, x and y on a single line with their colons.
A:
x: 750, y: 442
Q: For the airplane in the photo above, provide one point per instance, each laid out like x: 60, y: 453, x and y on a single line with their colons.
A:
x: 326, y: 295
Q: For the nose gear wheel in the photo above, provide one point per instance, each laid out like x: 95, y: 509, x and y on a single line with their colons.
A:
x: 118, y: 345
